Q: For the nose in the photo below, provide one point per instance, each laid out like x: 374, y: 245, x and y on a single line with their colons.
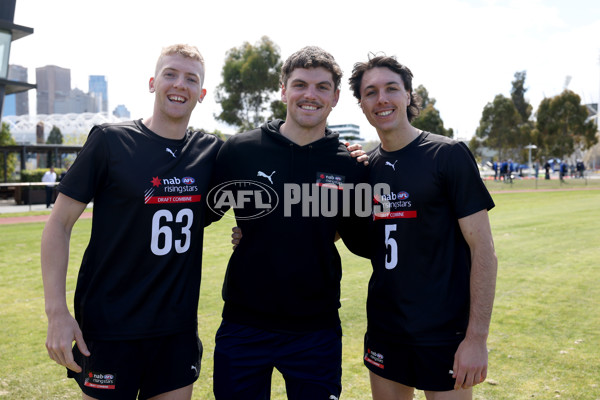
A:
x: 310, y: 92
x: 381, y: 97
x: 179, y: 82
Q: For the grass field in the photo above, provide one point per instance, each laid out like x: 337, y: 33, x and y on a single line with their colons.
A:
x: 545, y: 335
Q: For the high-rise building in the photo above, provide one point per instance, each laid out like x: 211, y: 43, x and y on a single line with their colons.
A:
x: 99, y: 89
x: 53, y: 84
x: 18, y: 103
x: 121, y: 111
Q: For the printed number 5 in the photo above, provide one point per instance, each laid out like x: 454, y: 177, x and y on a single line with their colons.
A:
x: 392, y: 260
x: 167, y: 234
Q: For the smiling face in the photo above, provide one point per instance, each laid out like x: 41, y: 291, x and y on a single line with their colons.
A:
x: 384, y: 100
x: 177, y: 86
x: 310, y: 95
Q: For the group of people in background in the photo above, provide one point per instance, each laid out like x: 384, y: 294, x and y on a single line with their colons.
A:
x: 507, y: 170
x: 430, y: 295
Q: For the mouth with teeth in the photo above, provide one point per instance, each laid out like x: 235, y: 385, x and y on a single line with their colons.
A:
x: 176, y: 99
x: 384, y: 113
x: 309, y: 107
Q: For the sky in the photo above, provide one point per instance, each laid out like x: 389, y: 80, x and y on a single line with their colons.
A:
x: 465, y: 52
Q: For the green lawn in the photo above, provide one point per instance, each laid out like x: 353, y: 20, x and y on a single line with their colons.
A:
x: 544, y: 341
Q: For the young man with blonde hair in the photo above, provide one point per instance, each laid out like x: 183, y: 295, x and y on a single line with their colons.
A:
x: 136, y: 299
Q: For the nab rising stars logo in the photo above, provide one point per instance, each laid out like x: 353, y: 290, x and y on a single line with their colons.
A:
x: 172, y: 190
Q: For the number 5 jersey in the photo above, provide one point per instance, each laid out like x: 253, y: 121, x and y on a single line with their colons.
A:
x: 140, y: 274
x: 419, y: 289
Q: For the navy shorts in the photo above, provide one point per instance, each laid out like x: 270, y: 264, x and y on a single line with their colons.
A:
x: 422, y: 367
x: 120, y: 369
x: 311, y: 363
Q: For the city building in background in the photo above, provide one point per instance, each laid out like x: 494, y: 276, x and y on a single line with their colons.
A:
x: 98, y: 87
x: 53, y: 85
x: 17, y: 103
x: 121, y: 111
x: 348, y: 132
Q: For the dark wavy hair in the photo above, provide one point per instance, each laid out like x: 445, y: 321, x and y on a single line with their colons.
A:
x: 390, y: 62
x: 311, y: 57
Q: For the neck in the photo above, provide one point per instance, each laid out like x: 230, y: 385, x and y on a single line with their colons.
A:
x: 398, y: 139
x: 167, y: 128
x: 300, y: 135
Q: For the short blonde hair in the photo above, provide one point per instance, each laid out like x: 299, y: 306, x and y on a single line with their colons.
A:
x: 184, y: 50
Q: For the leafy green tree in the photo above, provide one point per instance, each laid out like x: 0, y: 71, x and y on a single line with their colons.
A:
x: 250, y: 76
x: 6, y: 139
x: 563, y: 125
x: 499, y: 127
x: 55, y: 136
x: 429, y: 118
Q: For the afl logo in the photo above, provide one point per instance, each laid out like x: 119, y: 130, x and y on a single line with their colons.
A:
x: 188, y: 180
x: 108, y: 376
x: 402, y: 195
x: 249, y: 199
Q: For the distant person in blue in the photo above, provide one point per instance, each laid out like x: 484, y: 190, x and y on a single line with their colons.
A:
x: 547, y: 169
x: 503, y: 170
x: 580, y: 168
x: 495, y: 168
x: 564, y: 169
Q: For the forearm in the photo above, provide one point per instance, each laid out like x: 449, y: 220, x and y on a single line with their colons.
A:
x: 483, y: 286
x: 54, y: 260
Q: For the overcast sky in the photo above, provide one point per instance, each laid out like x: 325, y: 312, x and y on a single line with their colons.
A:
x: 464, y: 52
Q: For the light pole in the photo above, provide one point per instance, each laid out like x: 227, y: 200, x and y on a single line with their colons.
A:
x: 530, y: 146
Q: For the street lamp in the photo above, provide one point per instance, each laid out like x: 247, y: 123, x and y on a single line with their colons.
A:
x: 530, y: 146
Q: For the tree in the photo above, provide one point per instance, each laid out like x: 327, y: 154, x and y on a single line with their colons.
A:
x: 563, y: 125
x: 55, y: 136
x: 10, y: 162
x: 517, y: 94
x: 250, y: 76
x: 499, y: 126
x: 429, y: 118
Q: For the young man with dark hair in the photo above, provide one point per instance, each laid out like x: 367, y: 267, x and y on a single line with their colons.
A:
x: 136, y: 300
x: 282, y: 286
x: 434, y: 265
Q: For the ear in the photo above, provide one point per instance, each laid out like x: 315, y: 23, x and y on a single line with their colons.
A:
x: 151, y: 85
x: 202, y: 94
x: 283, y: 96
x: 336, y: 98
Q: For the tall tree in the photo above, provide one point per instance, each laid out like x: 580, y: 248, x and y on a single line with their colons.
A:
x: 11, y: 158
x: 499, y: 127
x: 563, y: 125
x: 250, y: 76
x: 429, y: 118
x: 517, y: 94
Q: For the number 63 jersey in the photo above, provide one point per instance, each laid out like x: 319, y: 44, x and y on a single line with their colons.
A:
x: 140, y: 274
x: 419, y: 289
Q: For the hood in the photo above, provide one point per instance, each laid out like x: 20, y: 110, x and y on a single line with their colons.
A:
x: 272, y: 129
